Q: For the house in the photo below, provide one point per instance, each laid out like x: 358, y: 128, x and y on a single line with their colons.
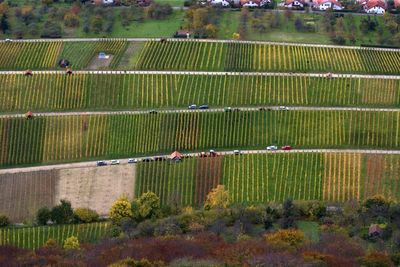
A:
x: 183, y: 34
x: 254, y: 3
x: 176, y: 156
x: 299, y: 4
x: 29, y: 115
x: 375, y: 6
x: 375, y: 230
x: 223, y: 3
x: 103, y: 55
x: 327, y: 4
x: 102, y: 2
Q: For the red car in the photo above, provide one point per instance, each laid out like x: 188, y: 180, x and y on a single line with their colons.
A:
x: 286, y: 148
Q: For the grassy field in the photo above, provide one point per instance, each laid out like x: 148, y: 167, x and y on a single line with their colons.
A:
x: 73, y: 138
x: 192, y: 55
x: 52, y: 92
x: 255, y: 178
x: 36, y: 237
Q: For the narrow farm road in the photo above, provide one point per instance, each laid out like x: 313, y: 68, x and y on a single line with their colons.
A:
x: 136, y: 112
x: 211, y: 73
x: 231, y: 152
x: 197, y: 40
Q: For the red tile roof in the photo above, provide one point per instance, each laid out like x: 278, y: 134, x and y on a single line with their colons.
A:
x: 320, y: 2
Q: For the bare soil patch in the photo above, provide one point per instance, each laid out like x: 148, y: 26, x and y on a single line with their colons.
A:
x: 96, y: 187
x: 100, y: 64
x: 22, y: 194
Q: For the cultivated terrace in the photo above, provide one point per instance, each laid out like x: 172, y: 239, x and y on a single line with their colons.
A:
x: 199, y: 133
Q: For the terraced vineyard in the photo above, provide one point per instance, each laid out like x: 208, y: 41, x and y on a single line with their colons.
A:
x: 36, y: 237
x: 254, y: 178
x: 44, y: 92
x: 72, y: 138
x: 192, y: 55
x: 45, y: 55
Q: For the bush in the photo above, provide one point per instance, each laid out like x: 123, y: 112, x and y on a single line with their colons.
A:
x: 50, y: 243
x: 146, y: 206
x: 4, y: 221
x: 145, y: 228
x: 376, y: 259
x: 85, y: 215
x: 140, y: 263
x: 121, y: 208
x: 168, y: 226
x: 62, y: 213
x: 71, y: 243
x: 43, y: 215
x: 288, y: 239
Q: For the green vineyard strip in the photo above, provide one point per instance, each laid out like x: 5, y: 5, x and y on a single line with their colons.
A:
x: 73, y: 138
x: 258, y: 178
x: 44, y: 92
x: 45, y: 55
x: 265, y: 57
x: 36, y: 237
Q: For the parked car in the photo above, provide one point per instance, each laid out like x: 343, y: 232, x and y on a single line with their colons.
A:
x: 132, y: 160
x: 212, y: 153
x: 101, y: 163
x: 236, y: 109
x: 286, y: 147
x: 283, y: 108
x: 228, y: 109
x: 262, y: 109
x: 8, y: 40
x: 115, y: 162
x: 147, y: 159
x: 153, y: 111
x: 270, y: 148
x: 204, y: 107
x: 193, y: 106
x: 236, y: 152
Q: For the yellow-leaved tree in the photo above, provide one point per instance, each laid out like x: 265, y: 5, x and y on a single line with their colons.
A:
x: 218, y: 198
x: 120, y: 209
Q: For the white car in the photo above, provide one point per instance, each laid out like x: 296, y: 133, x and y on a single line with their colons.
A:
x: 132, y: 160
x: 236, y: 152
x: 115, y: 162
x: 271, y: 148
x: 283, y: 108
x: 8, y: 40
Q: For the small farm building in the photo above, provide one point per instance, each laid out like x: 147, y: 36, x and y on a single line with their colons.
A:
x: 176, y: 156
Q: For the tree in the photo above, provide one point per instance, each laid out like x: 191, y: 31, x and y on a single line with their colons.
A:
x: 211, y: 31
x: 217, y: 198
x: 71, y: 20
x: 298, y: 24
x: 52, y: 29
x: 85, y: 215
x: 4, y: 24
x: 71, y: 243
x: 289, y: 214
x: 120, y: 209
x: 97, y: 24
x: 43, y: 215
x: 287, y: 239
x: 376, y: 259
x: 4, y: 221
x: 62, y: 213
x: 146, y: 206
